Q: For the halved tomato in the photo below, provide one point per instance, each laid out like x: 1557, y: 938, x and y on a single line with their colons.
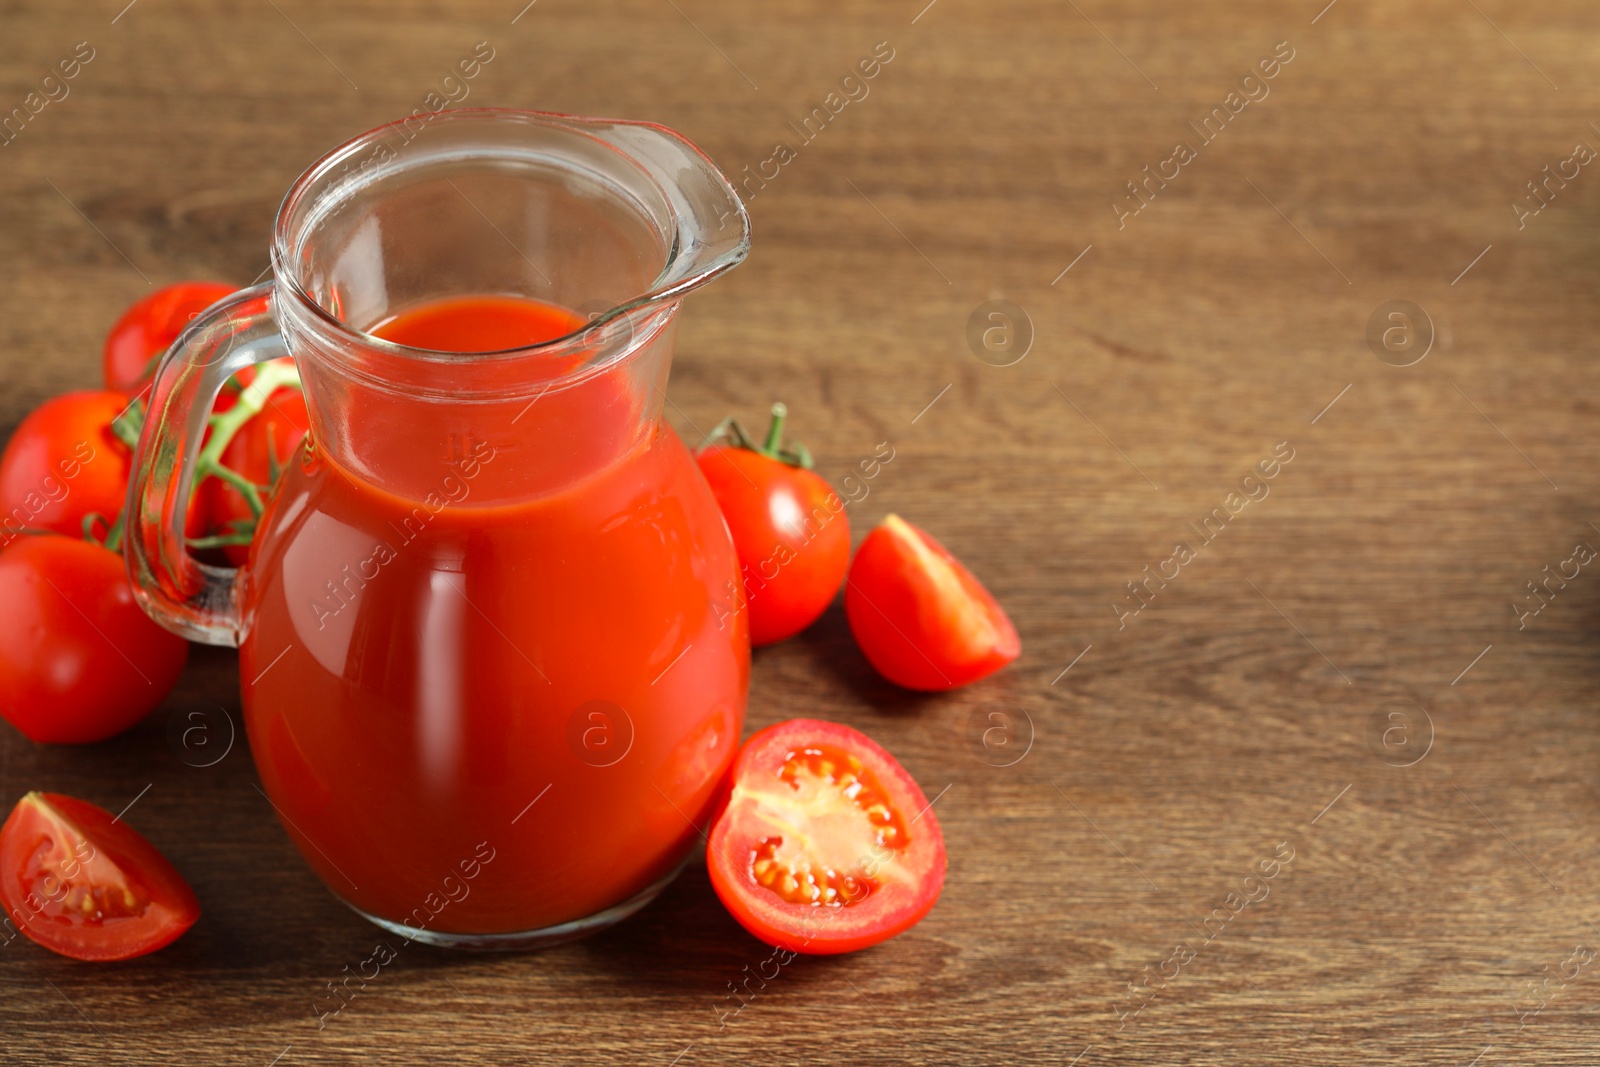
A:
x: 86, y: 885
x: 827, y: 845
x: 921, y: 617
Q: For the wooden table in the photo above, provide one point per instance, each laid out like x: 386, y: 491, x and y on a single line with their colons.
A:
x: 1350, y: 673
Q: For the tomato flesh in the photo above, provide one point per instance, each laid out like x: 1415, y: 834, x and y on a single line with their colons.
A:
x: 920, y: 617
x: 826, y: 845
x: 86, y: 885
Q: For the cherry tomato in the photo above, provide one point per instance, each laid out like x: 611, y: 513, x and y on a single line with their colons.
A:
x: 79, y: 660
x: 273, y: 435
x: 921, y: 617
x: 86, y: 885
x: 827, y: 845
x: 788, y: 527
x: 149, y: 327
x: 63, y: 463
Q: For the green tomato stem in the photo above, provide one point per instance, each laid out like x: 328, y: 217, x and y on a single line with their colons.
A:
x: 780, y: 412
x: 224, y: 427
x: 796, y: 455
x: 221, y: 540
x: 252, y: 400
x: 113, y: 541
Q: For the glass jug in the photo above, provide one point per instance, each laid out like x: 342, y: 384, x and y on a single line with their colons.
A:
x: 492, y: 652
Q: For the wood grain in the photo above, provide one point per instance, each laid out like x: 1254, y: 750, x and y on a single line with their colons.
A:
x: 1244, y: 707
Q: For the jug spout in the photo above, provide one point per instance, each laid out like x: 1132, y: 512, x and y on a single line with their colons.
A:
x: 606, y: 223
x: 603, y: 216
x: 703, y: 224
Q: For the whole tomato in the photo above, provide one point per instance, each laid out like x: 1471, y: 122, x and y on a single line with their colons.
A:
x: 262, y: 446
x: 80, y: 661
x: 149, y: 327
x: 788, y: 527
x: 63, y: 463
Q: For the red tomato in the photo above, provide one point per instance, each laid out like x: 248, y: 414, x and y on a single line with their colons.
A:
x: 921, y: 617
x: 827, y: 845
x: 276, y: 432
x: 788, y: 527
x: 147, y: 328
x: 63, y: 463
x: 86, y: 885
x: 79, y: 660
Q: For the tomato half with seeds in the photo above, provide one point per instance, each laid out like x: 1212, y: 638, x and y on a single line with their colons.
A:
x: 920, y: 617
x: 86, y: 885
x: 826, y: 845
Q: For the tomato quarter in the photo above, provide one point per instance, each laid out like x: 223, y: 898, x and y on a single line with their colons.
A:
x: 79, y: 660
x: 826, y: 845
x: 788, y: 527
x: 86, y: 885
x: 920, y: 617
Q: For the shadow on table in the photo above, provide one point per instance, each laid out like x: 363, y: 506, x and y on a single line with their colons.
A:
x: 828, y: 645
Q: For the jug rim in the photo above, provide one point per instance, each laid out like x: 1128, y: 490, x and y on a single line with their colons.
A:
x: 659, y: 294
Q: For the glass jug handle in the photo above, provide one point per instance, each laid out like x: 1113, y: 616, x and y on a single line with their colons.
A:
x: 196, y: 600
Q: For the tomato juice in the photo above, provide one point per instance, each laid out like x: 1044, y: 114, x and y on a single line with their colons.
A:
x: 490, y: 663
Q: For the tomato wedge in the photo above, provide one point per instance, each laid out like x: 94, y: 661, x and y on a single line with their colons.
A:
x: 87, y: 886
x: 921, y: 617
x: 826, y: 845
